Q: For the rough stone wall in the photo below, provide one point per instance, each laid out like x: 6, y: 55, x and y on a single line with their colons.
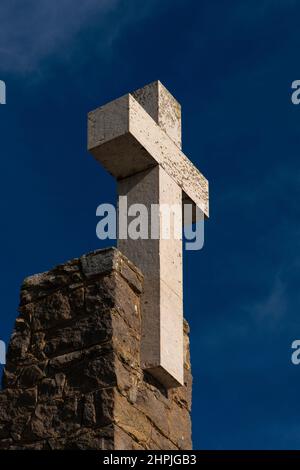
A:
x: 73, y: 378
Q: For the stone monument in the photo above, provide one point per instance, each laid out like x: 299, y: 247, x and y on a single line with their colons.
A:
x: 99, y: 357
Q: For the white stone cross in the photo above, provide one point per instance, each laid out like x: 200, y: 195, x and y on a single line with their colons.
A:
x: 137, y: 138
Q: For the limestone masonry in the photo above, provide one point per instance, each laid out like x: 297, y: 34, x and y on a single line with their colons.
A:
x: 73, y: 378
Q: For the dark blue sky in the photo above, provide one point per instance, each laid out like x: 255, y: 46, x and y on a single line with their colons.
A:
x: 230, y: 64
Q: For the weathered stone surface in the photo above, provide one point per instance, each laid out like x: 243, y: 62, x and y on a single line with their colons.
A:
x: 108, y: 260
x: 158, y: 102
x: 51, y: 311
x: 40, y: 285
x: 19, y: 344
x: 73, y: 379
x: 30, y: 376
x: 133, y: 130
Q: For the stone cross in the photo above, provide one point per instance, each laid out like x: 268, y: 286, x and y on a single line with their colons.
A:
x: 137, y: 138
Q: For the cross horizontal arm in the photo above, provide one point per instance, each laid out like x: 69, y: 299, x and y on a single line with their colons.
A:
x: 126, y: 140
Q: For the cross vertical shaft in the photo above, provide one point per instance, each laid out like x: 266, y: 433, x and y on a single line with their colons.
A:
x: 161, y: 263
x: 160, y: 260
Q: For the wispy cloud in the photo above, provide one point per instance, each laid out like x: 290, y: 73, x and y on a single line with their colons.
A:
x: 31, y: 30
x: 273, y: 307
x: 264, y: 315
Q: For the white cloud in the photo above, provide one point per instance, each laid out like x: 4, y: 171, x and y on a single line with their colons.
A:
x: 33, y: 29
x: 273, y: 307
